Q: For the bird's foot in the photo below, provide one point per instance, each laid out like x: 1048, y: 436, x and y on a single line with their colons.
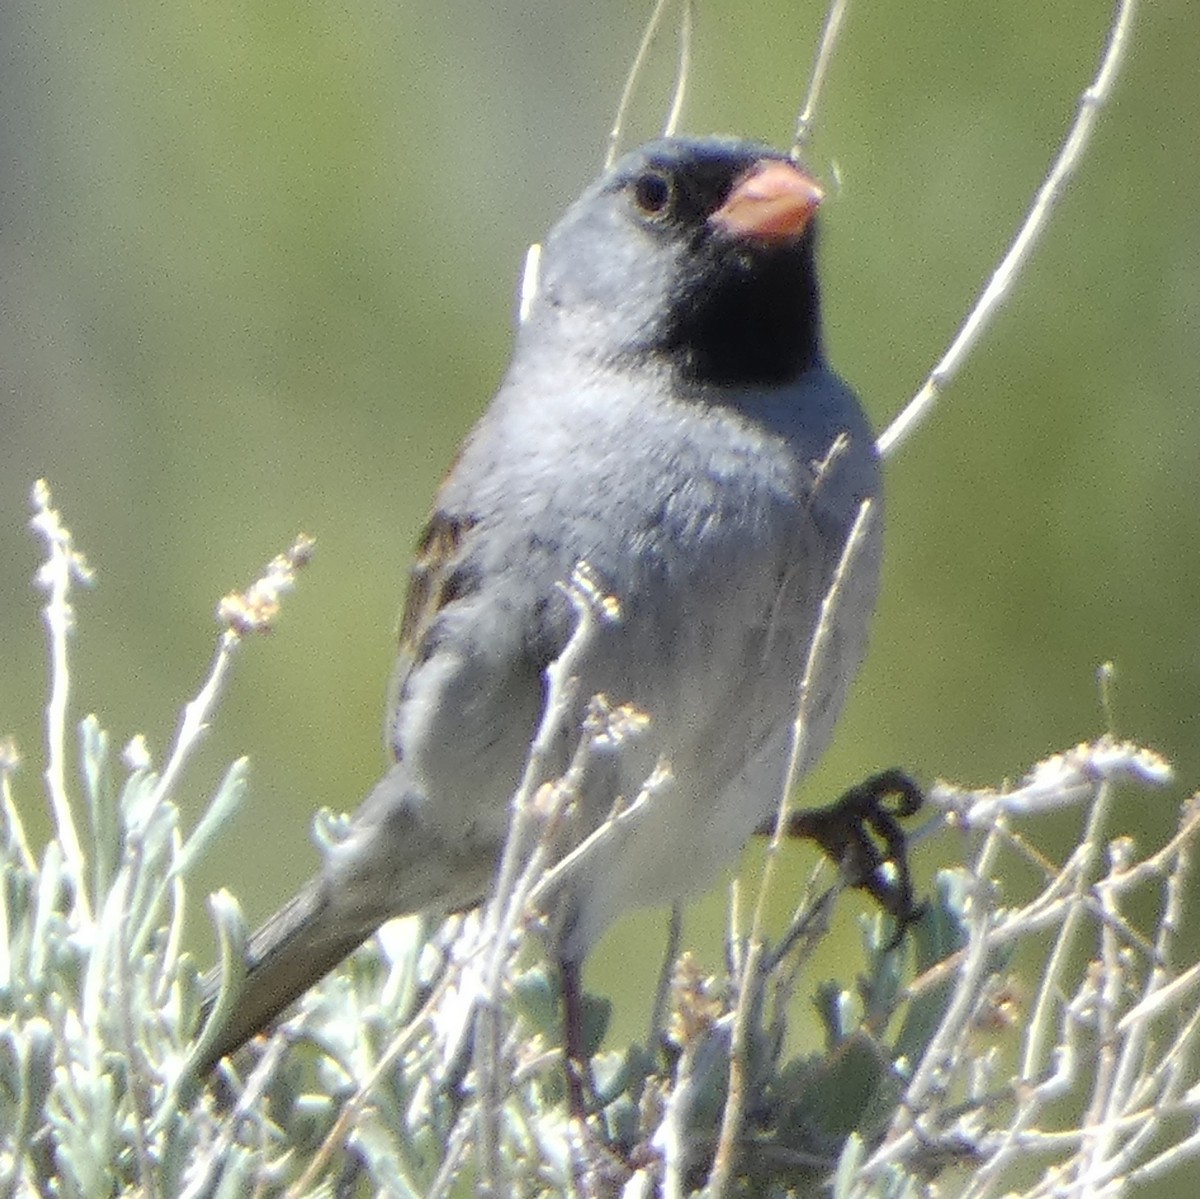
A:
x: 862, y: 833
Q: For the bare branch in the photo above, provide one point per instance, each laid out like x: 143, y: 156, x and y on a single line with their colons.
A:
x: 635, y: 71
x: 748, y: 981
x: 829, y: 38
x: 683, y: 71
x: 64, y: 566
x: 1005, y: 277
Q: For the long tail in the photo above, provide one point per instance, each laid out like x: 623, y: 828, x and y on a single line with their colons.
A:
x: 291, y: 952
x: 389, y: 865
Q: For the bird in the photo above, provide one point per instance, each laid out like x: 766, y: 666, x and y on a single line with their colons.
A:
x: 669, y: 419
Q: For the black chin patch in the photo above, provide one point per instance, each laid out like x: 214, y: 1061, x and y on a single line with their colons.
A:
x: 745, y: 315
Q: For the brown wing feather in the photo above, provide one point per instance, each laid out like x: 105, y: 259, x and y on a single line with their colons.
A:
x: 432, y: 583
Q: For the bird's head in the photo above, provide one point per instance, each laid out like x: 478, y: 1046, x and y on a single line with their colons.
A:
x: 696, y: 253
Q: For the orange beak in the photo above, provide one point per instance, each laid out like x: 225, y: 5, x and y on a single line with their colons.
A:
x: 773, y: 201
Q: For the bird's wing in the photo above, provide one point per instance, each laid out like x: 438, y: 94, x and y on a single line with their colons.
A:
x: 432, y: 583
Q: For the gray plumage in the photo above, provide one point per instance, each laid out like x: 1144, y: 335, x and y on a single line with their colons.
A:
x: 663, y: 419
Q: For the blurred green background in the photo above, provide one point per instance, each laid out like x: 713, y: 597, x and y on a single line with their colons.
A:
x: 257, y: 268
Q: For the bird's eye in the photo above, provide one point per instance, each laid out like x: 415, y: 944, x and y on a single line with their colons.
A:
x: 652, y: 192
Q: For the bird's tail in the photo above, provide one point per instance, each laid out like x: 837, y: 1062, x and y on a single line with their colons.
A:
x: 292, y: 951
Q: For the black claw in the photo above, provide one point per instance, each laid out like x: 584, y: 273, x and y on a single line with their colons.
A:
x: 861, y: 832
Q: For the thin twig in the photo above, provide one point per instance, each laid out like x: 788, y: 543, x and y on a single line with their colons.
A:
x: 12, y: 828
x: 834, y: 19
x: 56, y: 574
x: 1051, y: 988
x: 251, y: 611
x: 731, y: 1119
x: 683, y: 71
x: 530, y: 281
x: 250, y: 1108
x: 513, y: 879
x: 456, y: 1147
x: 119, y: 981
x: 635, y: 71
x: 973, y: 965
x: 1003, y: 280
x: 356, y: 1104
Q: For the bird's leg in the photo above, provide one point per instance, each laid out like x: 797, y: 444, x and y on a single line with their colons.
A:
x: 573, y: 1053
x: 861, y: 832
x: 598, y: 1170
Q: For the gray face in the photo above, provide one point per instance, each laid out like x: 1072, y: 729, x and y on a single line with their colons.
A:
x: 637, y: 267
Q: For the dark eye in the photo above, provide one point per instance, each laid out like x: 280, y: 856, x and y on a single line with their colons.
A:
x: 652, y: 192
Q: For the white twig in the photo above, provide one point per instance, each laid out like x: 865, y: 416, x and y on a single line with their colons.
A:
x: 1171, y: 997
x: 354, y: 1107
x: 503, y: 910
x: 635, y: 71
x: 1058, y: 782
x: 64, y: 565
x: 618, y: 824
x: 683, y: 72
x: 829, y: 38
x: 590, y: 607
x: 196, y: 714
x: 530, y: 281
x: 251, y: 611
x: 1001, y: 284
x: 723, y: 1162
x: 207, y: 1165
